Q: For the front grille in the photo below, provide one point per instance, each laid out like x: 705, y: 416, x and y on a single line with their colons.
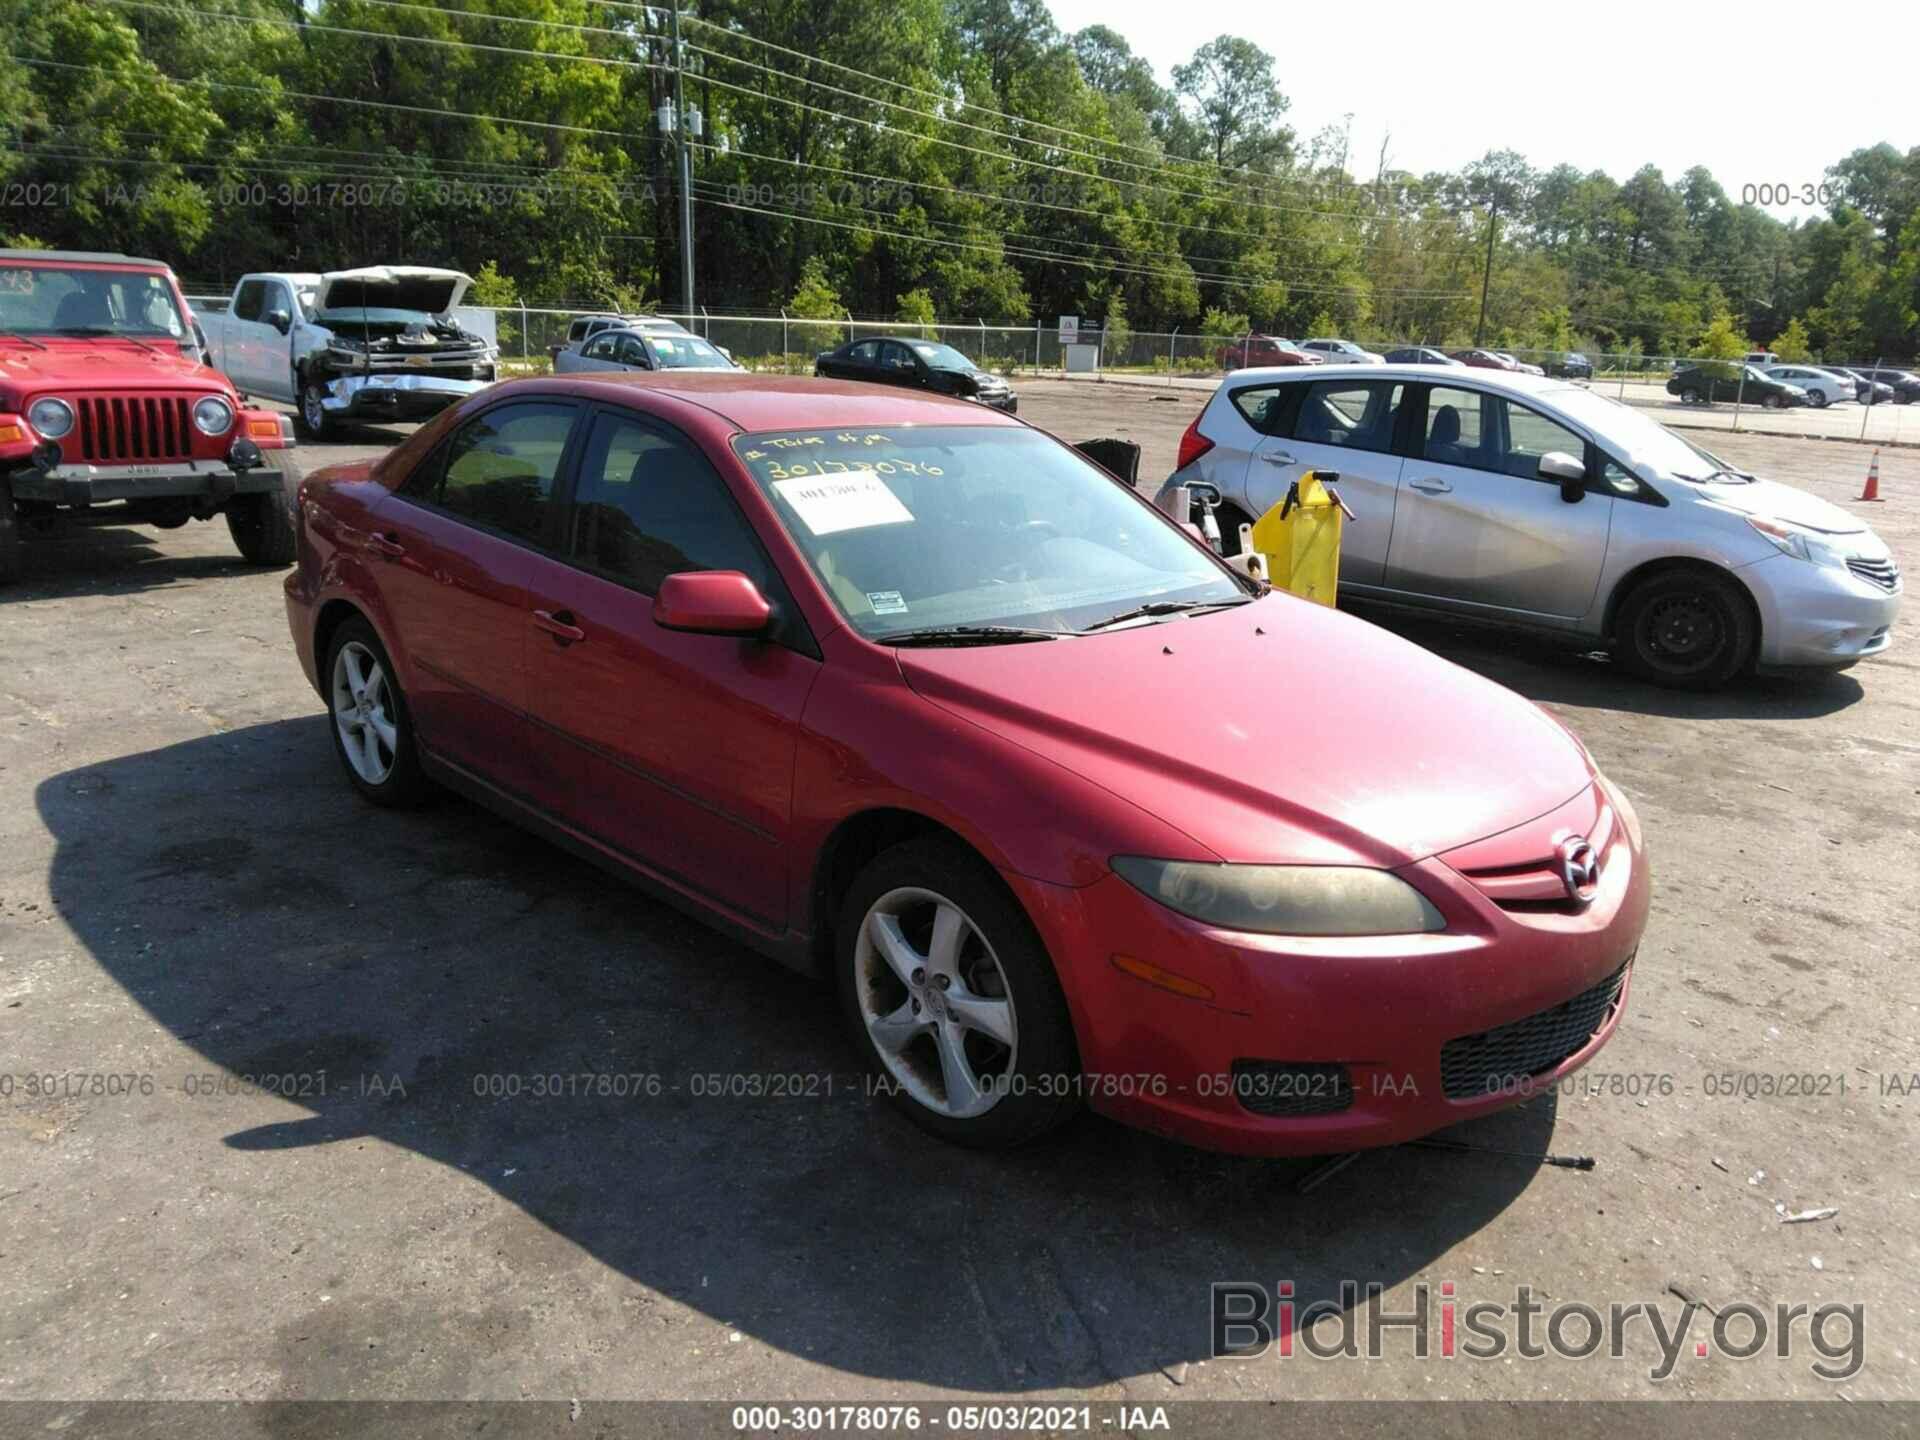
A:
x: 135, y: 427
x: 1883, y: 573
x: 1475, y: 1066
x: 1274, y: 1087
x: 1535, y: 886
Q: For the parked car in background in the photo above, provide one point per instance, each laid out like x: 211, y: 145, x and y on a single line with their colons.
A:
x: 1419, y: 355
x: 1731, y: 382
x: 375, y: 344
x: 1904, y: 383
x: 1485, y: 360
x: 109, y: 414
x: 921, y: 364
x: 1540, y: 504
x: 1571, y: 365
x: 1343, y: 352
x: 836, y: 669
x: 1256, y: 350
x: 1762, y: 358
x: 641, y: 350
x: 583, y: 328
x: 1518, y: 365
x: 1823, y: 387
x: 1869, y: 392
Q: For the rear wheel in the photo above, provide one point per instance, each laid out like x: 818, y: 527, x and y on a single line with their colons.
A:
x: 1774, y: 402
x: 263, y: 525
x: 372, y: 728
x: 1817, y: 399
x: 952, y: 999
x: 1686, y: 629
x: 1690, y: 396
x: 9, y: 536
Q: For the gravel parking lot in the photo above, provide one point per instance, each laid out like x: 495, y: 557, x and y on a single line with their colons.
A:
x: 191, y: 895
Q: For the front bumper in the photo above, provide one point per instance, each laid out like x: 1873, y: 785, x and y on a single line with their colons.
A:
x: 1817, y: 615
x: 1383, y: 1011
x: 80, y: 484
x: 396, y: 395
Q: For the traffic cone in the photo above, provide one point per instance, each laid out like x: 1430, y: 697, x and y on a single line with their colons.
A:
x: 1872, y: 492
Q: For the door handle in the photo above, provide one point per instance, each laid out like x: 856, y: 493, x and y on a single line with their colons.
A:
x: 386, y: 545
x: 559, y: 624
x: 1274, y: 457
x: 1433, y: 486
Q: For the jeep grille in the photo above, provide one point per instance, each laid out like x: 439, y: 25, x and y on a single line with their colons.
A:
x: 135, y: 427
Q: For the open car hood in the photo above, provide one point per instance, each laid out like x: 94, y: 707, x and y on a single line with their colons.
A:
x: 392, y: 287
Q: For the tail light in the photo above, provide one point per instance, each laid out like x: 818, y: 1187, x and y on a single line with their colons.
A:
x: 1192, y: 443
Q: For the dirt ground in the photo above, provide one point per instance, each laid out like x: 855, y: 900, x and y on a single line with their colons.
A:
x: 189, y: 894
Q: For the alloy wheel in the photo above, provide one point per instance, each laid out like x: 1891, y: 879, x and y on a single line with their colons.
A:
x: 935, y: 1002
x: 363, y: 713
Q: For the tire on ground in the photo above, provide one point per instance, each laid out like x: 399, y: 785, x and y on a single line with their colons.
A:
x: 265, y: 525
x: 406, y: 783
x: 1686, y: 629
x: 9, y: 536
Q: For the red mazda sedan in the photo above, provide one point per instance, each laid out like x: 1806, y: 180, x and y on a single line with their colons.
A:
x: 907, y: 693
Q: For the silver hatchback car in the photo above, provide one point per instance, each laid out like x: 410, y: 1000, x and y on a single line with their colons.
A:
x: 1533, y: 502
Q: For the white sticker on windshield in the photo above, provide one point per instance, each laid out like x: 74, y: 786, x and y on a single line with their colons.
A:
x: 887, y: 602
x: 857, y: 500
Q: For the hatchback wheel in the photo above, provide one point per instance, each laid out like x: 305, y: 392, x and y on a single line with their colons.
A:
x: 372, y: 730
x: 1687, y: 630
x: 952, y: 999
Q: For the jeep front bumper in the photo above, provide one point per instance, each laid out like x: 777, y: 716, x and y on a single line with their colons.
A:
x: 78, y: 484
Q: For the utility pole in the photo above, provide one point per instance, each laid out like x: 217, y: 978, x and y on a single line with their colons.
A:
x: 686, y: 167
x: 1486, y: 277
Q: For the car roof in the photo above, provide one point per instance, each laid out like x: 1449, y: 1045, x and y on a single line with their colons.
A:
x: 1512, y: 380
x: 751, y: 402
x: 90, y: 257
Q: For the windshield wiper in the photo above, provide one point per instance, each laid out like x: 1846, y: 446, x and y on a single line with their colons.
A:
x: 102, y: 332
x: 967, y: 635
x: 1165, y: 607
x: 23, y: 339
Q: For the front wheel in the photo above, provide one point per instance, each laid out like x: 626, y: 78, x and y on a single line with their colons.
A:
x: 1690, y: 396
x: 1817, y: 399
x: 1774, y: 402
x: 1686, y: 630
x: 9, y: 536
x: 315, y: 424
x: 372, y: 727
x: 264, y: 526
x: 952, y: 999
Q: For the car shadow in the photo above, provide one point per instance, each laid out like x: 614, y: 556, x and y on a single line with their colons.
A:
x: 281, y: 927
x: 113, y: 559
x: 1569, y: 672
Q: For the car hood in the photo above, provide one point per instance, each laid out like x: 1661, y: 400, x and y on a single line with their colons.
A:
x: 1772, y: 500
x: 1280, y: 731
x: 392, y: 287
x: 107, y: 363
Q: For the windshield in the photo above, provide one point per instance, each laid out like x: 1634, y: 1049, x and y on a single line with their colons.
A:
x: 940, y: 357
x: 686, y: 352
x: 54, y: 300
x: 972, y: 525
x: 1623, y: 429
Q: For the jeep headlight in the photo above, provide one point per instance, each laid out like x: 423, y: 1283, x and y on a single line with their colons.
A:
x: 212, y: 416
x: 1284, y: 899
x: 1802, y: 544
x: 51, y: 418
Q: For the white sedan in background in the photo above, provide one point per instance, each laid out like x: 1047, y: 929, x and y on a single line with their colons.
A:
x: 1823, y: 387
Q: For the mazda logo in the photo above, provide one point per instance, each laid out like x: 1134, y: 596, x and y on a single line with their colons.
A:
x: 1579, y: 866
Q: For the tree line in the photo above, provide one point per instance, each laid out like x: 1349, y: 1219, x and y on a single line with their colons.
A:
x: 964, y: 159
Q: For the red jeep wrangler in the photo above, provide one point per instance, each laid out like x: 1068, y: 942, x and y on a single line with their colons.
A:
x: 109, y: 414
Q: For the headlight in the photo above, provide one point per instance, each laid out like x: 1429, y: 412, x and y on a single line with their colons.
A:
x: 1801, y: 544
x: 52, y: 418
x: 1284, y: 899
x: 213, y: 416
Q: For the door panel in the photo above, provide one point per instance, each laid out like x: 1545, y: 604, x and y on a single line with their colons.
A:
x: 1345, y: 426
x: 1474, y: 524
x: 677, y: 749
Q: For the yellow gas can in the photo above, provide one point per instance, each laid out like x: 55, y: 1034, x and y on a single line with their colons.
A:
x: 1300, y: 537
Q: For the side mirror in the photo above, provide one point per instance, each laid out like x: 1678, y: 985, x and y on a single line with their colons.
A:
x: 1571, y: 473
x: 711, y: 602
x: 280, y: 320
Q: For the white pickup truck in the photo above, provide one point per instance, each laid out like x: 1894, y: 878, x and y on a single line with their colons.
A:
x: 374, y: 344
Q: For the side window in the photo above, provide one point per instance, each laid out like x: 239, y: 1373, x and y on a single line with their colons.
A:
x: 576, y: 332
x: 631, y: 350
x: 865, y: 353
x: 277, y: 298
x: 247, y: 304
x: 1531, y: 435
x: 648, y: 506
x: 1356, y: 415
x: 1454, y: 428
x: 1260, y: 404
x: 895, y: 357
x: 500, y: 468
x: 599, y: 349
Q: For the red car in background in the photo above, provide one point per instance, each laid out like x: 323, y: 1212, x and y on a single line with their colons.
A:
x: 1265, y: 350
x: 1485, y: 360
x: 912, y: 696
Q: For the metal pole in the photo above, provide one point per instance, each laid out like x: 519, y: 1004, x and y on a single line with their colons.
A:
x: 1171, y: 339
x: 686, y: 169
x: 1867, y: 409
x: 1486, y: 278
x: 523, y: 331
x: 1036, y: 348
x: 1739, y: 395
x: 785, y: 363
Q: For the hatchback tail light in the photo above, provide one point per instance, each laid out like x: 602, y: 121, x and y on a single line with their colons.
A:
x: 1192, y: 444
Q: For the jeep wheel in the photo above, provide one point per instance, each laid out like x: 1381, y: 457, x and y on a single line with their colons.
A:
x: 9, y: 536
x: 263, y: 524
x: 313, y: 421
